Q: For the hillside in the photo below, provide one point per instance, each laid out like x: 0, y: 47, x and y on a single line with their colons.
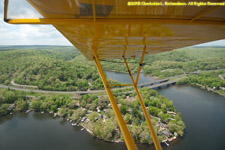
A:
x: 63, y: 68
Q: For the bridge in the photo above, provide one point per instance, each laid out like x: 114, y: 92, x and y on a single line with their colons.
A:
x: 164, y: 84
x: 158, y: 82
x: 152, y: 85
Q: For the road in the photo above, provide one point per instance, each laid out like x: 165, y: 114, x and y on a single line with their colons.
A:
x: 53, y: 92
x: 149, y: 84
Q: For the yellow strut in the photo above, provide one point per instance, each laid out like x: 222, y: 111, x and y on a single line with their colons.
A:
x: 5, y: 9
x: 141, y: 61
x: 125, y: 132
x: 152, y: 131
x: 94, y: 13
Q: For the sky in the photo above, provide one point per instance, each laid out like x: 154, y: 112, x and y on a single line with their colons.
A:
x: 27, y: 34
x: 37, y: 34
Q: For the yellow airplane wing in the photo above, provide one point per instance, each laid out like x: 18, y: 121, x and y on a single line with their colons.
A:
x: 112, y: 26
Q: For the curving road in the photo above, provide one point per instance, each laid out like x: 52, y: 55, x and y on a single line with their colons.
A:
x: 98, y: 91
x: 54, y: 92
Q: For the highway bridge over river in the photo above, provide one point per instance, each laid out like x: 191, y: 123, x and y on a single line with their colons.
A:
x: 152, y: 85
x: 156, y: 84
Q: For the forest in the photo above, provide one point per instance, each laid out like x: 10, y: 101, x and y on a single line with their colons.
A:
x: 49, y: 68
x: 185, y: 60
x: 213, y: 80
x: 63, y: 68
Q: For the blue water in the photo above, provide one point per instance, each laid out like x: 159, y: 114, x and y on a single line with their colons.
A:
x: 203, y: 113
x: 125, y: 78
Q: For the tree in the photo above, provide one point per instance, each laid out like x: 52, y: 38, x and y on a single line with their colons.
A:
x: 77, y: 114
x: 53, y: 108
x: 176, y: 126
x: 136, y: 131
x: 128, y: 118
x: 155, y: 102
x: 169, y: 105
x: 10, y: 97
x: 145, y: 136
x: 146, y: 102
x: 163, y: 108
x: 73, y: 104
x: 1, y: 100
x: 124, y: 109
x: 172, y: 126
x: 135, y: 105
x: 36, y: 105
x: 178, y: 117
x: 62, y: 112
x: 105, y: 130
x: 93, y: 116
x: 69, y: 112
x: 83, y: 103
x: 4, y: 109
x: 21, y: 105
x: 93, y: 107
x: 163, y: 116
x: 153, y: 111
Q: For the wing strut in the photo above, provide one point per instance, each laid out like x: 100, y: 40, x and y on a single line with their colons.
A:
x: 150, y: 126
x: 125, y: 132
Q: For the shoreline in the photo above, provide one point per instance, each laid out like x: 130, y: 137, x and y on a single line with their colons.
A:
x: 207, y: 89
x: 202, y: 87
x: 151, y: 77
x: 82, y: 126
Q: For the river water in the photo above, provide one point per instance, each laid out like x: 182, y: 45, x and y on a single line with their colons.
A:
x: 125, y: 78
x: 202, y: 111
x: 36, y: 131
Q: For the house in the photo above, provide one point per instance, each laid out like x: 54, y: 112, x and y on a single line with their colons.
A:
x: 172, y: 113
x: 222, y: 88
x: 87, y: 120
x: 166, y: 133
x: 89, y: 112
x: 98, y: 109
x: 162, y: 125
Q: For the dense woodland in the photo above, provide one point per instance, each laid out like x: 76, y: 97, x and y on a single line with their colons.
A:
x: 49, y: 68
x: 185, y: 60
x: 212, y: 80
x: 64, y: 68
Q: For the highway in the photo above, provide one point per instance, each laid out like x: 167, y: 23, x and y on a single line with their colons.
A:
x: 152, y: 85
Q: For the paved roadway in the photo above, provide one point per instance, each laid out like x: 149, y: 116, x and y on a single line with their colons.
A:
x: 54, y: 92
x: 152, y: 84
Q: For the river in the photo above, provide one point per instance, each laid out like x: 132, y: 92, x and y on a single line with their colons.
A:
x: 36, y: 131
x: 125, y: 78
x: 202, y: 111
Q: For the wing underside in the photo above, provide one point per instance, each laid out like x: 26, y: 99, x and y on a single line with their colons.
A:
x: 113, y: 27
